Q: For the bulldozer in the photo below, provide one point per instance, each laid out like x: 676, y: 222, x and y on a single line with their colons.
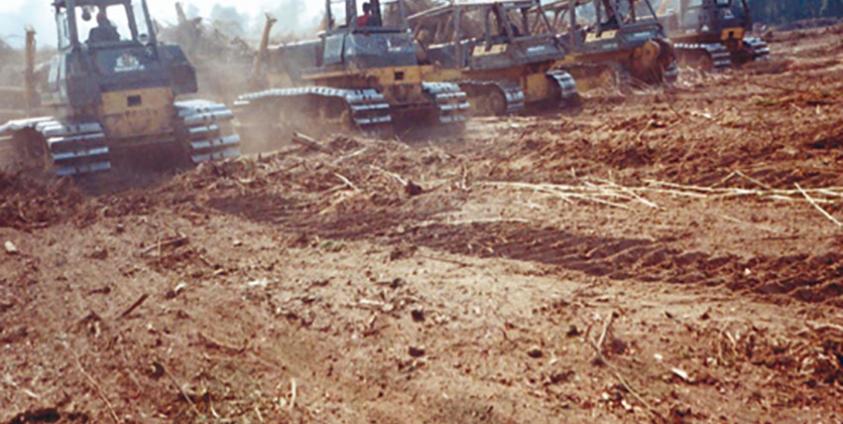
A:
x: 619, y: 38
x: 495, y: 54
x: 361, y: 74
x: 712, y: 34
x: 110, y: 96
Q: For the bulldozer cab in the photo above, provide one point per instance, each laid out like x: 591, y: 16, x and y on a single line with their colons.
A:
x: 710, y: 16
x: 605, y: 25
x: 103, y: 22
x: 109, y: 46
x: 486, y: 34
x: 362, y: 35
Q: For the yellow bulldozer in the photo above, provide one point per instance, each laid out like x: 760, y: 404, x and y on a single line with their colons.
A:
x: 619, y: 37
x: 108, y: 99
x: 491, y: 49
x: 712, y: 34
x: 361, y: 74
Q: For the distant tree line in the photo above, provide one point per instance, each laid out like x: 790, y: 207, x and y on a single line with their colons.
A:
x: 783, y: 11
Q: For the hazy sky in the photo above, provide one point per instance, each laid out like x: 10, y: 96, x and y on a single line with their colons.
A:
x: 16, y: 14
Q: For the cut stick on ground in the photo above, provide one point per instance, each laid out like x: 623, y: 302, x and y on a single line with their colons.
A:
x: 293, y: 393
x: 346, y: 181
x: 401, y: 180
x: 630, y: 192
x: 180, y: 389
x: 814, y: 203
x: 175, y: 241
x: 598, y: 349
x: 216, y: 344
x: 752, y: 180
x: 606, y: 327
x: 96, y: 386
x: 445, y: 260
x: 309, y: 142
x: 818, y: 326
x: 134, y: 306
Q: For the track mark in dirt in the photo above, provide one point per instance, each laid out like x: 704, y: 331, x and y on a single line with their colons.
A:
x: 806, y: 278
x: 261, y: 208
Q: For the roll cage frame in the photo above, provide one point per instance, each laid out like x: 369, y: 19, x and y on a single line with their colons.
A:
x: 65, y: 15
x: 448, y: 22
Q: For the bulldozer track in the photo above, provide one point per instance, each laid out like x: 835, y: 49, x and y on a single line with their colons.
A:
x: 510, y: 92
x: 368, y: 109
x: 759, y: 48
x: 208, y: 131
x: 717, y: 53
x: 567, y: 84
x: 74, y: 147
x: 450, y: 101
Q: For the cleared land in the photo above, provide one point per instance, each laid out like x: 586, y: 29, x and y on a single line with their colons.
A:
x: 664, y: 256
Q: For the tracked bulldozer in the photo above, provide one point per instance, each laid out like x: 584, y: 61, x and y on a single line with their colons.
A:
x: 619, y: 38
x: 110, y: 92
x: 362, y: 74
x: 494, y: 51
x: 712, y: 34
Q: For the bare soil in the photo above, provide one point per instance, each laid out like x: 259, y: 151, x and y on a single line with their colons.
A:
x: 655, y: 257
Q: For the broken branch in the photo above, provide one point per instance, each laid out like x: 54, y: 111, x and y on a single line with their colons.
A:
x: 818, y: 207
x: 134, y: 306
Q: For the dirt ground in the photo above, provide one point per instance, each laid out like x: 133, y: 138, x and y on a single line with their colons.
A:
x: 665, y: 256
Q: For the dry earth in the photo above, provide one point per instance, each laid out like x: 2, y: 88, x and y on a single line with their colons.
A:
x: 651, y: 258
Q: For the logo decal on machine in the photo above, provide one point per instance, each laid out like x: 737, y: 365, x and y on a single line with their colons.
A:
x: 128, y: 63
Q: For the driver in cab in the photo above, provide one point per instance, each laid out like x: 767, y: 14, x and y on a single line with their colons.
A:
x: 105, y: 31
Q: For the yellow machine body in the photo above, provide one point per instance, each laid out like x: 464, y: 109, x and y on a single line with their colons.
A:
x: 138, y: 114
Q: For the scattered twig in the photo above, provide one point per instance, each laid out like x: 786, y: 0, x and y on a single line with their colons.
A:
x: 598, y: 349
x: 353, y: 154
x: 174, y: 241
x: 293, y: 393
x: 346, y: 181
x: 308, y: 142
x: 606, y: 327
x: 814, y: 203
x: 817, y: 326
x: 752, y: 180
x: 446, y: 260
x: 134, y: 306
x: 401, y: 180
x: 180, y: 388
x: 630, y: 192
x: 216, y: 344
x: 96, y: 386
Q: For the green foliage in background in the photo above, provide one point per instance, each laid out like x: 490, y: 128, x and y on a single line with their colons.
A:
x: 783, y: 11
